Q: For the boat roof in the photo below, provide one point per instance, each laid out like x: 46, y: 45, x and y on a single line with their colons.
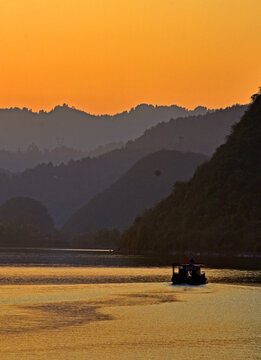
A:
x: 188, y: 264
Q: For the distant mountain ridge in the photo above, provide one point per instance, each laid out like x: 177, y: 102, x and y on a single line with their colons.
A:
x: 200, y: 134
x: 66, y: 126
x: 21, y: 160
x: 64, y: 189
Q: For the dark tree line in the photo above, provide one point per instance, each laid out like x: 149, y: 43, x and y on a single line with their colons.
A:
x: 219, y: 209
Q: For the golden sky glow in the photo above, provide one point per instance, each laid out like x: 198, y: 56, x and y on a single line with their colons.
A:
x: 105, y: 56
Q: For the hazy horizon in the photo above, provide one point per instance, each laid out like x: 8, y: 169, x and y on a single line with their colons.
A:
x: 105, y: 56
x: 78, y: 129
x: 124, y: 110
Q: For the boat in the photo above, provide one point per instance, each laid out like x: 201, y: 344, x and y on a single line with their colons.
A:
x: 188, y: 273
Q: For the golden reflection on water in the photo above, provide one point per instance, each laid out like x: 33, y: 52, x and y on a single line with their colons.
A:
x: 43, y: 318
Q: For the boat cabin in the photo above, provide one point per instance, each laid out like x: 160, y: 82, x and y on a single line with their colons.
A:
x: 188, y: 274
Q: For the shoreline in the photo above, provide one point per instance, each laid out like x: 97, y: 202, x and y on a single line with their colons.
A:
x: 109, y: 257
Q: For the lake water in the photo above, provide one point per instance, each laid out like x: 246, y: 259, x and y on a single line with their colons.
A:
x: 80, y: 305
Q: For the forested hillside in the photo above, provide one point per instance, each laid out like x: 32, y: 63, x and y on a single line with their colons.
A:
x: 147, y: 182
x: 219, y: 209
x: 27, y: 211
x: 25, y: 222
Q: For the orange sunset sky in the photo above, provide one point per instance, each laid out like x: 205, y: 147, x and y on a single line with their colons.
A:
x: 105, y: 56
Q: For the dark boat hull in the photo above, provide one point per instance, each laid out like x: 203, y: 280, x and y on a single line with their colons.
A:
x: 189, y: 280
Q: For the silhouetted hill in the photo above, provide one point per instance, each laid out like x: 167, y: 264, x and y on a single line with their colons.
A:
x: 219, y: 209
x: 146, y: 183
x: 103, y: 149
x: 64, y: 189
x: 21, y: 160
x: 24, y: 235
x: 26, y: 211
x: 200, y: 134
x: 77, y: 129
x: 25, y: 222
x: 18, y: 161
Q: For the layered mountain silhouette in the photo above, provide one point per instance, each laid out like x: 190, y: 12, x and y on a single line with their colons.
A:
x: 146, y: 183
x: 219, y: 209
x: 18, y: 161
x: 64, y: 189
x: 200, y: 134
x: 66, y: 126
